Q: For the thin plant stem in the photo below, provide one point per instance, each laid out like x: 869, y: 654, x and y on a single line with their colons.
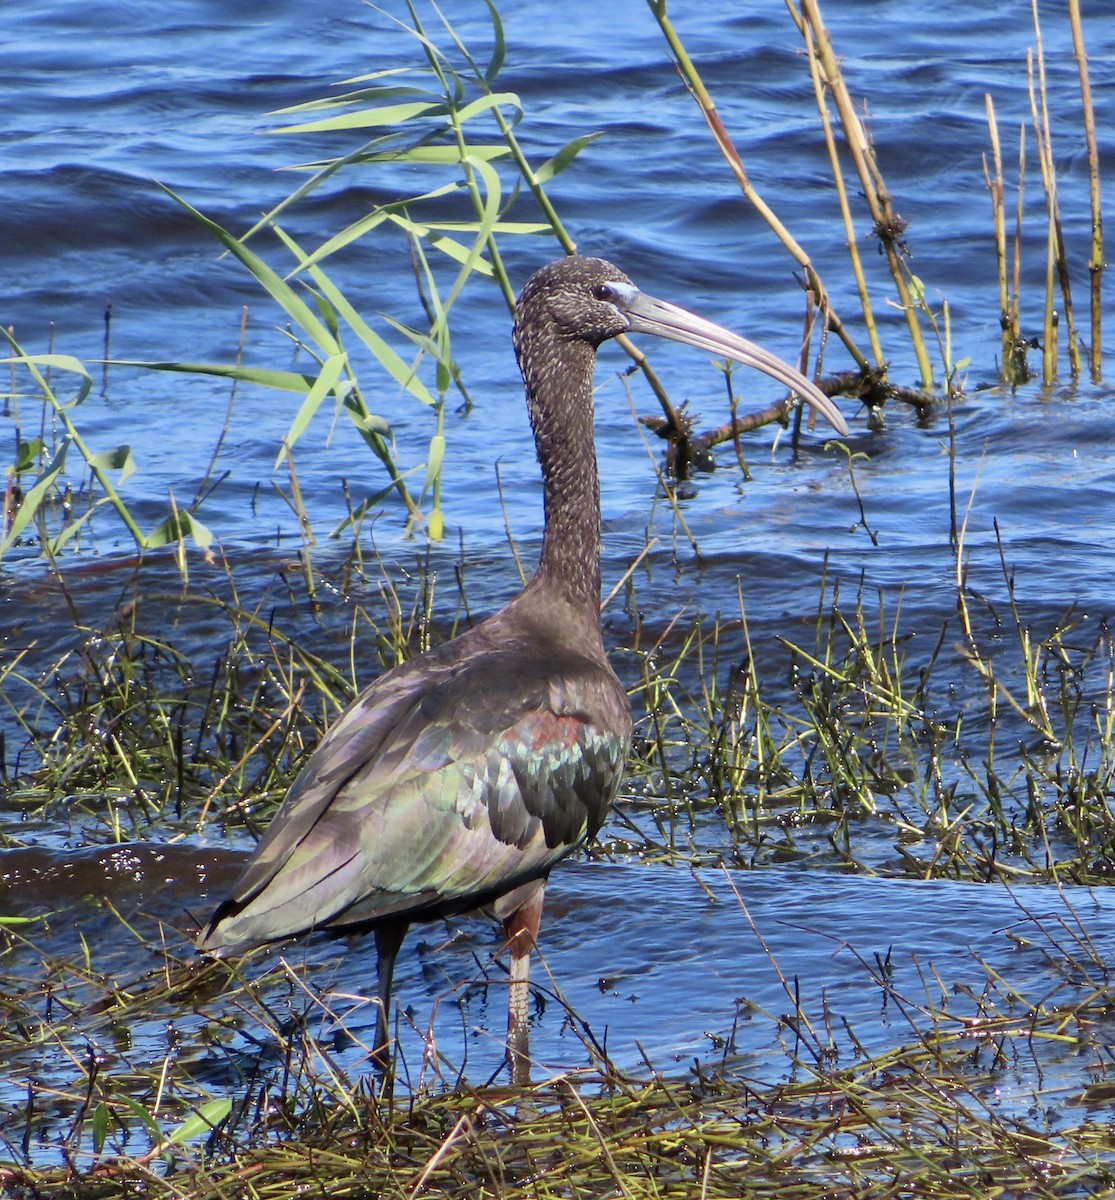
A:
x: 1016, y: 265
x: 1058, y: 260
x: 888, y: 224
x: 704, y: 101
x: 91, y: 460
x: 1096, y: 263
x: 842, y: 194
x: 994, y: 178
x: 1050, y: 318
x: 203, y: 487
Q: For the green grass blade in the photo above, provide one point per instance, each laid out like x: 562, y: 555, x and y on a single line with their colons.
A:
x: 288, y: 299
x: 326, y: 382
x: 367, y: 118
x: 143, y: 1116
x: 489, y: 217
x: 282, y: 381
x: 435, y: 459
x: 423, y: 341
x: 200, y: 1123
x: 322, y: 172
x: 485, y: 104
x: 57, y: 362
x: 365, y: 225
x: 438, y: 155
x: 34, y: 498
x: 385, y: 355
x: 177, y: 527
x: 121, y: 459
x: 385, y: 73
x: 499, y: 45
x: 450, y: 247
x: 359, y: 96
x: 564, y: 157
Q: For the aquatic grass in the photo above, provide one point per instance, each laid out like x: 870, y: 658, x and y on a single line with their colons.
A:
x: 887, y: 224
x: 830, y: 748
x: 848, y: 752
x: 1054, y: 244
x: 445, y: 119
x: 1014, y: 367
x: 837, y: 747
x: 828, y: 78
x: 926, y: 1116
x: 431, y: 131
x: 135, y: 710
x: 32, y: 503
x: 850, y: 746
x: 1057, y: 300
x: 177, y: 704
x: 771, y: 760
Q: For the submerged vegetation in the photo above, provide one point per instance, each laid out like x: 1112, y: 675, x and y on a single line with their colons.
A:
x: 926, y: 1118
x: 192, y: 689
x: 846, y: 748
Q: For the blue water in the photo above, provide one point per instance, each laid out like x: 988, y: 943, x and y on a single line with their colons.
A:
x: 109, y: 101
x: 182, y: 97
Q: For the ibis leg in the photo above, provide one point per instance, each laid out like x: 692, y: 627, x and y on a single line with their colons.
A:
x: 522, y: 931
x: 389, y: 937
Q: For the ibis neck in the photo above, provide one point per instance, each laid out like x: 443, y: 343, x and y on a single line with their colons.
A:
x: 559, y: 397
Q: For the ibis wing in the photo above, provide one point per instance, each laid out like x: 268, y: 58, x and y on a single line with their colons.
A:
x: 436, y: 792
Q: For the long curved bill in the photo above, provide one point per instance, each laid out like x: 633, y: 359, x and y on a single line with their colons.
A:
x: 647, y: 315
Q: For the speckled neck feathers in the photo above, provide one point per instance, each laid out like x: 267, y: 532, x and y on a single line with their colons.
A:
x: 557, y: 359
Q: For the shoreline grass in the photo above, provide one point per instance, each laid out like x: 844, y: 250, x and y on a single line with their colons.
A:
x: 975, y: 758
x: 970, y: 1100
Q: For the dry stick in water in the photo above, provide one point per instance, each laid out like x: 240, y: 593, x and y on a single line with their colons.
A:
x: 1012, y: 370
x: 1049, y: 323
x: 888, y: 224
x: 819, y: 84
x: 1057, y: 261
x: 700, y: 93
x: 1095, y: 264
x: 1016, y: 266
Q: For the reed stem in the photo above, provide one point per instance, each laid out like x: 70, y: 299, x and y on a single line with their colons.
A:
x: 1014, y: 369
x: 841, y: 191
x: 1050, y: 318
x: 704, y: 101
x: 888, y: 225
x: 1095, y: 264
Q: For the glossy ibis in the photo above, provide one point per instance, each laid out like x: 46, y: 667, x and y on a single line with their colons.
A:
x: 459, y: 779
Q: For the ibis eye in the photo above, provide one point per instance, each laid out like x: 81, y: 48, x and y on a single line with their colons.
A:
x: 604, y: 291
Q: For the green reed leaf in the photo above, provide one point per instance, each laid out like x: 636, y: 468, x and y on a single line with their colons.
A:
x: 176, y: 528
x: 201, y: 1122
x: 283, y: 381
x: 288, y: 299
x: 564, y: 157
x: 367, y: 118
x: 499, y: 44
x: 33, y: 499
x: 326, y: 382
